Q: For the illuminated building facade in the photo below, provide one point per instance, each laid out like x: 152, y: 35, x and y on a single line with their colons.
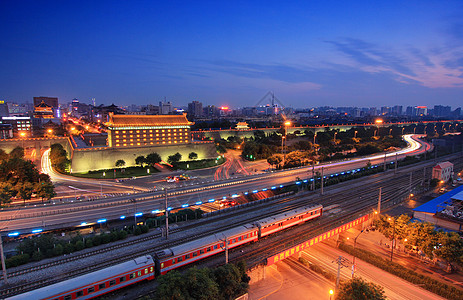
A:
x: 43, y: 111
x: 148, y: 130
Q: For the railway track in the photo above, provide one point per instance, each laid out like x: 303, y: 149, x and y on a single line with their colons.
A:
x: 393, y: 189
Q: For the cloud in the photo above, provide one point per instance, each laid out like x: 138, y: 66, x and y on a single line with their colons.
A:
x: 436, y: 68
x: 284, y: 73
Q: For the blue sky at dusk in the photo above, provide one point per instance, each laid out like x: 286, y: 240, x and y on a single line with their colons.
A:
x: 337, y: 53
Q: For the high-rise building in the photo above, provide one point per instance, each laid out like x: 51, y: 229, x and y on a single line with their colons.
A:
x: 385, y: 110
x: 4, y: 112
x: 397, y: 110
x: 442, y: 111
x: 195, y: 109
x: 165, y: 108
x: 421, y: 111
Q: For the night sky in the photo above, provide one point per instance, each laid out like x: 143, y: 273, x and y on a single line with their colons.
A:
x: 336, y: 53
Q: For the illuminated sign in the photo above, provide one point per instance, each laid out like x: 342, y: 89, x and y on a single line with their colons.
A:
x: 301, y: 247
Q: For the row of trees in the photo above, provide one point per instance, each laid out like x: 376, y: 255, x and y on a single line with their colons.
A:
x: 59, y: 158
x: 20, y: 178
x: 154, y: 158
x: 226, y: 282
x: 423, y: 236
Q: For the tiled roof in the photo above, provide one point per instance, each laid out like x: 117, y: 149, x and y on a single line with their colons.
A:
x: 444, y: 165
x: 148, y: 120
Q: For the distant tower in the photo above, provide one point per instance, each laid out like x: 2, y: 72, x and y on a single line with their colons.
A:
x: 93, y: 101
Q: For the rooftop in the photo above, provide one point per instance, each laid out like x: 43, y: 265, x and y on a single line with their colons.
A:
x: 116, y: 121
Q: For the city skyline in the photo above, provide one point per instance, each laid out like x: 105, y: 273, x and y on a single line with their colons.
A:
x: 337, y: 54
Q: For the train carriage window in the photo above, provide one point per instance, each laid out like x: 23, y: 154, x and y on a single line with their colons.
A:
x: 208, y: 249
x: 67, y: 297
x: 151, y: 269
x: 90, y: 290
x: 195, y: 254
x: 146, y: 270
x: 131, y: 276
x: 187, y: 256
x: 221, y: 245
x: 215, y: 247
x: 79, y: 294
x: 139, y: 273
x: 234, y: 241
x: 239, y: 239
x: 122, y: 279
x: 201, y: 251
x: 173, y: 261
x: 112, y: 282
x: 311, y: 213
x: 101, y: 286
x: 179, y: 259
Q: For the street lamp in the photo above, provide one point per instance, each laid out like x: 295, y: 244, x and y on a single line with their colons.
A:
x: 374, y: 135
x: 331, y: 293
x: 403, y: 128
x: 334, y: 140
x: 286, y: 124
x: 355, y: 243
x: 314, y: 136
x: 355, y: 134
x: 390, y: 131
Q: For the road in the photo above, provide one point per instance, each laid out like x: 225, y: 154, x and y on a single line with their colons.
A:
x: 180, y: 194
x: 287, y: 281
x: 394, y: 287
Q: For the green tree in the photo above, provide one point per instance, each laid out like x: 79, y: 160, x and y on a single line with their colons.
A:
x: 45, y: 190
x: 6, y: 193
x: 450, y: 247
x: 232, y: 281
x: 174, y: 159
x: 193, y: 155
x: 120, y: 163
x: 153, y: 158
x: 58, y: 158
x: 24, y: 190
x: 274, y: 160
x: 140, y: 160
x: 358, y: 289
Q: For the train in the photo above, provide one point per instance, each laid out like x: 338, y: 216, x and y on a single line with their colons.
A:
x: 146, y: 267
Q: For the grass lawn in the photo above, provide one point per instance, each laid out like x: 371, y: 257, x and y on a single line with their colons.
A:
x: 120, y: 173
x: 200, y: 164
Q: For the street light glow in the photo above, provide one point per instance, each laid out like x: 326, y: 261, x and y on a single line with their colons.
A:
x: 379, y: 121
x: 288, y: 123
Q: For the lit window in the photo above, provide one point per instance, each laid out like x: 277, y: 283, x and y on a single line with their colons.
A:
x: 175, y: 142
x: 125, y: 144
x: 123, y: 131
x: 124, y: 140
x: 117, y: 141
x: 151, y: 131
x: 117, y: 131
x: 138, y: 144
x: 130, y: 131
x: 117, y: 145
x: 163, y: 142
x: 138, y: 131
x: 131, y: 144
x: 170, y: 142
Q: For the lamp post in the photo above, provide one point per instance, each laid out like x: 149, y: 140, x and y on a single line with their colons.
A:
x: 314, y: 136
x: 374, y: 134
x: 355, y: 244
x: 355, y: 134
x: 334, y: 139
x: 331, y: 293
x: 285, y: 125
x: 403, y: 128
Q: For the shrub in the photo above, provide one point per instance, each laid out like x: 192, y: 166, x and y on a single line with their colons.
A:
x: 17, y: 260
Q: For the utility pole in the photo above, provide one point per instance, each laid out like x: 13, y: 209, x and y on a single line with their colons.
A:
x: 395, y: 165
x: 5, y: 279
x: 322, y: 182
x: 379, y: 201
x: 342, y: 262
x: 167, y: 214
x: 313, y: 175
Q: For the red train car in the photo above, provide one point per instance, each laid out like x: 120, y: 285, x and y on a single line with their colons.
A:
x: 284, y: 220
x: 181, y: 255
x: 97, y: 283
